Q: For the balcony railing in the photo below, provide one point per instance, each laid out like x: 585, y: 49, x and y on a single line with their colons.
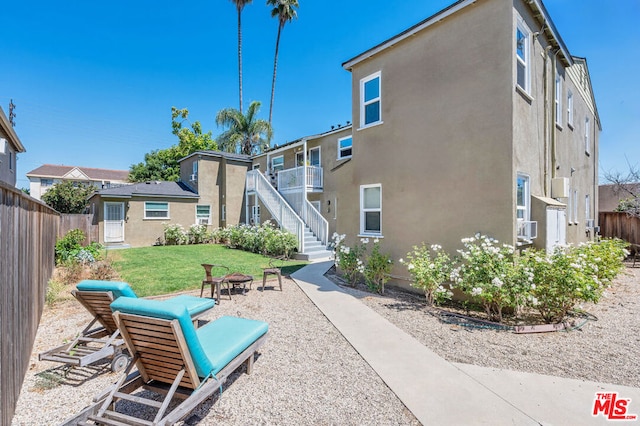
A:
x: 295, y: 178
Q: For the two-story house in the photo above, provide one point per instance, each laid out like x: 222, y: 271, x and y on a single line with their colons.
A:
x: 10, y: 147
x: 44, y: 177
x: 477, y: 119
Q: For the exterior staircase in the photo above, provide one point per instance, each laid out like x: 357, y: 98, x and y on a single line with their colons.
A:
x: 312, y: 234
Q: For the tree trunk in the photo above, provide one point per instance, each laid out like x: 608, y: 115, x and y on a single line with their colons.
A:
x: 240, y: 55
x: 275, y: 68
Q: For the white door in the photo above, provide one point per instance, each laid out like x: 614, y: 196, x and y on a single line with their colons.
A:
x: 113, y: 222
x: 556, y: 229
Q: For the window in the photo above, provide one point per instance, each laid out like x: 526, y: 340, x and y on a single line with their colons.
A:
x: 370, y: 100
x: 587, y: 207
x: 522, y: 56
x: 277, y: 163
x: 299, y: 159
x: 314, y: 157
x: 10, y: 160
x: 371, y: 209
x: 558, y: 100
x: 155, y: 210
x: 570, y: 108
x: 522, y: 198
x: 345, y: 147
x: 46, y: 182
x: 256, y: 166
x: 223, y: 212
x: 574, y: 206
x: 587, y: 131
x: 194, y: 167
x: 203, y: 214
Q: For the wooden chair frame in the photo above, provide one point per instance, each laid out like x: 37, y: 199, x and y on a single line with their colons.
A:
x: 164, y: 365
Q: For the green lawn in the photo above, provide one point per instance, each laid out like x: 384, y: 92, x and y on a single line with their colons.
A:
x: 167, y: 269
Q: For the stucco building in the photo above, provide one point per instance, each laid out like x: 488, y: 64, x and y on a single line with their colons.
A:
x: 44, y: 177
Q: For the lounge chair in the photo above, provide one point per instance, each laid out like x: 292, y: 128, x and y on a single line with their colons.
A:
x: 172, y: 358
x: 101, y: 342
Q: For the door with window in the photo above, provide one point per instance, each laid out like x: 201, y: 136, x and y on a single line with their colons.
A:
x: 113, y: 222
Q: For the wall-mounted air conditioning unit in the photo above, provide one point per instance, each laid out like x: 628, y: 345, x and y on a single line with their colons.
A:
x: 193, y: 177
x: 527, y: 230
x: 560, y: 187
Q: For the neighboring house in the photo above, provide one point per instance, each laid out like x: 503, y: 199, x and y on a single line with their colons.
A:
x: 47, y: 175
x: 477, y: 119
x: 135, y: 215
x: 10, y: 147
x: 609, y: 196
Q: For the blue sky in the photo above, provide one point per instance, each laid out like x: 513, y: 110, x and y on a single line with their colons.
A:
x: 94, y: 82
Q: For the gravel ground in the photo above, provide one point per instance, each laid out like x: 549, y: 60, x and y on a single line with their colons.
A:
x: 307, y: 373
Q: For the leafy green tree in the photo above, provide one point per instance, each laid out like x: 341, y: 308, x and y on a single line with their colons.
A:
x: 285, y: 11
x: 162, y: 164
x: 68, y: 197
x: 245, y: 134
x: 240, y: 4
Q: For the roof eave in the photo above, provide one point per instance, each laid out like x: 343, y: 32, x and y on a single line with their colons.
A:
x: 8, y: 128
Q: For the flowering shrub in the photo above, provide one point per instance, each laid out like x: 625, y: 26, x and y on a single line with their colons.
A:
x: 174, y: 235
x: 492, y: 274
x: 347, y: 258
x: 69, y: 249
x: 197, y: 234
x: 571, y: 275
x: 265, y: 239
x: 430, y: 272
x: 377, y: 267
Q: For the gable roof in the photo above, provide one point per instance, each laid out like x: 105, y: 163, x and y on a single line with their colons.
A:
x: 7, y: 129
x: 539, y: 12
x: 78, y: 173
x: 149, y: 189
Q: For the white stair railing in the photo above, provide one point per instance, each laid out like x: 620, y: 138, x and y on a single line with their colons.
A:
x: 280, y: 210
x: 316, y: 222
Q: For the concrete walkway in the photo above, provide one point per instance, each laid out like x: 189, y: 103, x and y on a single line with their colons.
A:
x: 439, y: 392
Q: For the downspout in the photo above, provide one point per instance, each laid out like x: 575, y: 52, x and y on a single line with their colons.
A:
x: 545, y: 120
x: 554, y: 70
x: 223, y: 192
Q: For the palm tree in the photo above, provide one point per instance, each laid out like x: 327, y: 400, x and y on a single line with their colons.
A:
x: 240, y: 4
x: 285, y: 11
x: 246, y: 134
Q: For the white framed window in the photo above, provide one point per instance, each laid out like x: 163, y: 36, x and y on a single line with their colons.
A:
x: 223, y: 212
x: 156, y: 210
x: 299, y: 159
x: 11, y: 160
x: 277, y: 163
x: 46, y: 182
x: 587, y: 139
x: 587, y: 207
x: 194, y: 167
x: 574, y: 206
x: 370, y: 100
x: 523, y: 54
x: 345, y: 147
x: 314, y: 157
x: 371, y: 209
x: 203, y: 214
x: 558, y: 99
x: 570, y: 108
x: 256, y: 166
x: 523, y: 198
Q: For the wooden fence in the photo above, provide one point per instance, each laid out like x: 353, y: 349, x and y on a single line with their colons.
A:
x: 28, y: 230
x: 85, y: 222
x: 619, y: 225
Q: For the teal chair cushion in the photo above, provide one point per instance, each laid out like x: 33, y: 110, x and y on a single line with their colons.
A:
x: 212, y: 346
x: 170, y: 311
x: 227, y: 337
x: 195, y: 305
x: 117, y: 288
